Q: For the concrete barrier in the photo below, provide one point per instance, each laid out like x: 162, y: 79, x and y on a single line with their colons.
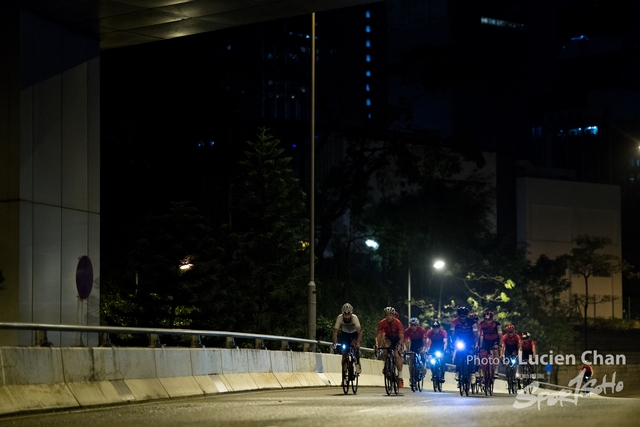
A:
x: 39, y: 378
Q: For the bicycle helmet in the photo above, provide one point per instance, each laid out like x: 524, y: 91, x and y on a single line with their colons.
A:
x: 488, y: 314
x: 511, y: 328
x: 389, y: 310
x: 435, y: 324
x: 347, y: 308
x: 414, y: 321
x: 463, y: 311
x: 526, y: 335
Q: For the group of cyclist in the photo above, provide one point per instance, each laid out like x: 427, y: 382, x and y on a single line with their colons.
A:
x: 467, y: 336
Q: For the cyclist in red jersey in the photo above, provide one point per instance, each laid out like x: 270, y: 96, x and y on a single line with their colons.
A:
x: 391, y: 334
x: 588, y: 370
x: 511, y: 343
x: 490, y: 336
x: 528, y: 346
x: 436, y: 339
x: 511, y: 346
x: 415, y: 334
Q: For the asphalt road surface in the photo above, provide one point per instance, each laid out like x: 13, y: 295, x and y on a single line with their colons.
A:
x: 323, y: 407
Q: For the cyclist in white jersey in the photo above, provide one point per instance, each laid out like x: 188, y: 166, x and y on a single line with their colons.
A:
x: 348, y: 325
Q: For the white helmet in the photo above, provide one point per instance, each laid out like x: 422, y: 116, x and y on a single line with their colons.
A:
x: 347, y: 308
x: 389, y: 310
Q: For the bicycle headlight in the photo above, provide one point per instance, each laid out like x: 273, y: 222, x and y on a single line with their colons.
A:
x: 438, y: 354
x: 344, y: 346
x: 433, y: 361
x: 460, y: 345
x: 513, y: 360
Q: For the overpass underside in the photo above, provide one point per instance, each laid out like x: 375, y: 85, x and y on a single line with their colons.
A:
x: 50, y: 137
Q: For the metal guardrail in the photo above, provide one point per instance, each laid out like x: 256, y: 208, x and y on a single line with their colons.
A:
x: 156, y: 333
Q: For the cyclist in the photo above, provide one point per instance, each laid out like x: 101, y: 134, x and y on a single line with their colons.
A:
x: 465, y: 329
x: 528, y: 346
x: 436, y: 338
x: 588, y: 370
x: 391, y: 334
x: 511, y: 346
x: 416, y: 335
x: 351, y: 335
x: 490, y: 336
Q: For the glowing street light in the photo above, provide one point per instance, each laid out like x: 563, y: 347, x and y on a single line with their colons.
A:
x: 372, y: 244
x: 439, y: 265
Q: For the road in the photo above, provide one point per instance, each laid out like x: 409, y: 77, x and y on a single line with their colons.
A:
x: 322, y: 407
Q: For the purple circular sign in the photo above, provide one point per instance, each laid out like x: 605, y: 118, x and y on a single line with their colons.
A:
x: 84, y: 277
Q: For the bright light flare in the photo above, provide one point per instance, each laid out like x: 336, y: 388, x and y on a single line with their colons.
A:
x: 438, y: 265
x: 372, y: 244
x: 185, y: 267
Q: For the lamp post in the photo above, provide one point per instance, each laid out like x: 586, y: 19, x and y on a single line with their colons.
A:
x: 409, y: 294
x: 311, y: 287
x: 439, y: 265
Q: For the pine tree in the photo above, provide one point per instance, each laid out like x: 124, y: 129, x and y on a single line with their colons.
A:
x: 268, y: 219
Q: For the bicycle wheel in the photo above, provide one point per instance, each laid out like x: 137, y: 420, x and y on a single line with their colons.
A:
x: 413, y: 378
x: 435, y: 377
x: 388, y: 386
x: 420, y: 380
x: 345, y: 378
x: 466, y: 386
x: 354, y: 384
x: 394, y: 369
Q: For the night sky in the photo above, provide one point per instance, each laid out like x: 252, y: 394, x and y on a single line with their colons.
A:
x: 175, y: 113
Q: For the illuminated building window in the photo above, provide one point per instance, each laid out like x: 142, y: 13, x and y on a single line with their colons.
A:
x: 500, y: 23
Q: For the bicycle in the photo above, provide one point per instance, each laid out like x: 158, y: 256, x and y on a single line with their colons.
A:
x: 390, y: 371
x: 350, y: 377
x: 512, y: 381
x: 487, y: 374
x: 437, y: 371
x: 465, y: 368
x: 528, y: 374
x: 415, y: 372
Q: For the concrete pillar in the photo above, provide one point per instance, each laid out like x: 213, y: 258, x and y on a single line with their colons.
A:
x: 49, y: 174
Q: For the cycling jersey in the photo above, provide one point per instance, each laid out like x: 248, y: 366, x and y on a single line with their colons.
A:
x: 392, y: 330
x: 437, y: 340
x: 511, y: 344
x: 415, y: 337
x: 347, y: 327
x: 588, y: 370
x: 489, y: 329
x: 511, y: 340
x: 528, y: 345
x: 464, y: 330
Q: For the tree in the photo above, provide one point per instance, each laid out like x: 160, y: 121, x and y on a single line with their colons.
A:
x: 177, y: 266
x: 585, y: 260
x: 269, y: 226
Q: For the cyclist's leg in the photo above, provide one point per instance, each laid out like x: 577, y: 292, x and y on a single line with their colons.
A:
x: 356, y: 353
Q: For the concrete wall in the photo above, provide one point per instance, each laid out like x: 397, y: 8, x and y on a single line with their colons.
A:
x: 49, y: 174
x: 40, y: 378
x: 552, y: 213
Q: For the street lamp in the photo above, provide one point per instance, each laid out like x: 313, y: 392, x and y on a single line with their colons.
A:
x: 439, y: 265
